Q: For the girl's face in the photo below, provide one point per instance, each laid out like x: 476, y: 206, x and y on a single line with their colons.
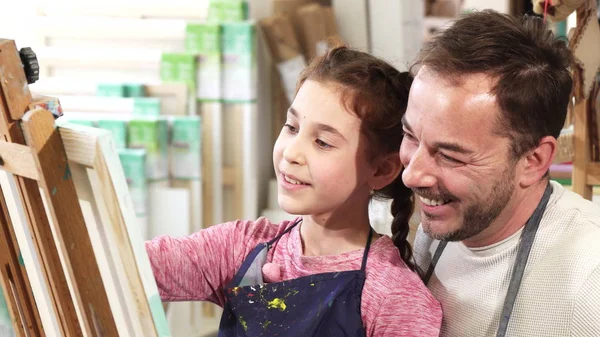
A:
x: 321, y: 158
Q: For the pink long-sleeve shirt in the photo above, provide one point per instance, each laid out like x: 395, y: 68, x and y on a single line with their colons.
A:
x: 395, y: 302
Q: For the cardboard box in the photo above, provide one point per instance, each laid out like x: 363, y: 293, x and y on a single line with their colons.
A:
x: 285, y: 51
x: 312, y: 31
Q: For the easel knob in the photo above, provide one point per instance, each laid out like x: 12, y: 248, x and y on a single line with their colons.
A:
x: 30, y: 63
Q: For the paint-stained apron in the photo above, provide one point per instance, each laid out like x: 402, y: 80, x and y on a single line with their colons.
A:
x: 325, y: 304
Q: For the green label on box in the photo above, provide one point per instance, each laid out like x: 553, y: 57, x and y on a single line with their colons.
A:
x: 151, y: 134
x: 146, y: 106
x: 186, y: 147
x: 133, y: 162
x: 135, y: 90
x: 118, y: 128
x: 82, y: 121
x: 228, y: 10
x: 238, y: 38
x: 239, y: 61
x: 110, y: 90
x: 178, y: 67
x: 204, y: 40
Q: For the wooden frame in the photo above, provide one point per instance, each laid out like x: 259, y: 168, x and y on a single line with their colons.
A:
x: 111, y: 224
x: 67, y: 291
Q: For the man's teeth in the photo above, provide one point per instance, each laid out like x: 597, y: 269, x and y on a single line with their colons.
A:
x: 292, y: 181
x: 431, y: 202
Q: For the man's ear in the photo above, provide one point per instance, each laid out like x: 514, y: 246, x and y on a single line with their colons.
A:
x: 537, y: 162
x: 388, y: 169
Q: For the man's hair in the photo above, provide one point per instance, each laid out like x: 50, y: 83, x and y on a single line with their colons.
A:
x: 529, y: 66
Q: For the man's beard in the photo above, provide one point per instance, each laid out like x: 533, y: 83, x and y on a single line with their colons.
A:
x: 478, y: 216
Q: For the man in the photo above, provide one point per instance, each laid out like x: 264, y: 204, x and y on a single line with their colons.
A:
x: 486, y: 106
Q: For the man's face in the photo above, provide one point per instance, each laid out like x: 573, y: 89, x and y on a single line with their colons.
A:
x: 460, y: 169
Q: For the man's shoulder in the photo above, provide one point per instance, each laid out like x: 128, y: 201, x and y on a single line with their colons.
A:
x: 572, y: 214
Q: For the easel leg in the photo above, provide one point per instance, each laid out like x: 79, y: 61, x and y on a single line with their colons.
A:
x: 15, y: 282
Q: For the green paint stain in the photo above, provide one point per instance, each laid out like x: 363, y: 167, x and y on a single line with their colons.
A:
x: 67, y: 174
x: 277, y: 303
x: 158, y: 314
x: 54, y: 190
x: 20, y: 258
x: 243, y: 323
x: 266, y: 324
x: 330, y: 303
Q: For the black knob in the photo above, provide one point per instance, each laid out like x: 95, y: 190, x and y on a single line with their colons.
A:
x: 31, y: 65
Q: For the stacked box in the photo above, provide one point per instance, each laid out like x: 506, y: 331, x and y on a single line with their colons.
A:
x: 239, y: 61
x: 118, y: 128
x: 204, y: 41
x: 146, y: 106
x: 178, y: 67
x: 186, y: 147
x: 151, y: 134
x: 133, y: 162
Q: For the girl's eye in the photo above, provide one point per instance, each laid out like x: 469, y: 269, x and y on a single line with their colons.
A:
x: 290, y: 128
x: 322, y: 144
x: 408, y: 135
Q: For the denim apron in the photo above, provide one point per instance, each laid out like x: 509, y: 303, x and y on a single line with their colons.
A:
x: 326, y: 304
x: 527, y: 237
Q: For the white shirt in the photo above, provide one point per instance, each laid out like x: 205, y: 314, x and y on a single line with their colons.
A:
x: 560, y: 291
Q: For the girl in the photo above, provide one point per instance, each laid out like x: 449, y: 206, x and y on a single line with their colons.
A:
x: 327, y: 273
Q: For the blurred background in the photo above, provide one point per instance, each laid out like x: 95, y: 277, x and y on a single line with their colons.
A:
x: 195, y: 93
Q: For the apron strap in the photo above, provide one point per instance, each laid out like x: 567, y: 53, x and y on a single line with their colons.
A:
x: 367, y: 248
x: 524, y: 249
x: 434, y: 261
x: 287, y: 230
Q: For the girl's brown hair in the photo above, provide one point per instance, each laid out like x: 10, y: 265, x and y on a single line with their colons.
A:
x: 377, y: 93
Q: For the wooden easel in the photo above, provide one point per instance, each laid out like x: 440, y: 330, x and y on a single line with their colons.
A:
x: 32, y: 150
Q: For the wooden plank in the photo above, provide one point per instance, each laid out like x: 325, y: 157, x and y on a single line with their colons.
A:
x: 111, y: 181
x: 18, y: 159
x: 118, y: 240
x: 59, y: 191
x: 15, y: 281
x: 593, y: 174
x: 14, y: 84
x: 30, y: 260
x: 581, y: 144
x: 38, y: 222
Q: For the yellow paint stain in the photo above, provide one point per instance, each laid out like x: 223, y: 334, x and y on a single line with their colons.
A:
x: 277, y: 303
x: 312, y: 284
x: 235, y: 290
